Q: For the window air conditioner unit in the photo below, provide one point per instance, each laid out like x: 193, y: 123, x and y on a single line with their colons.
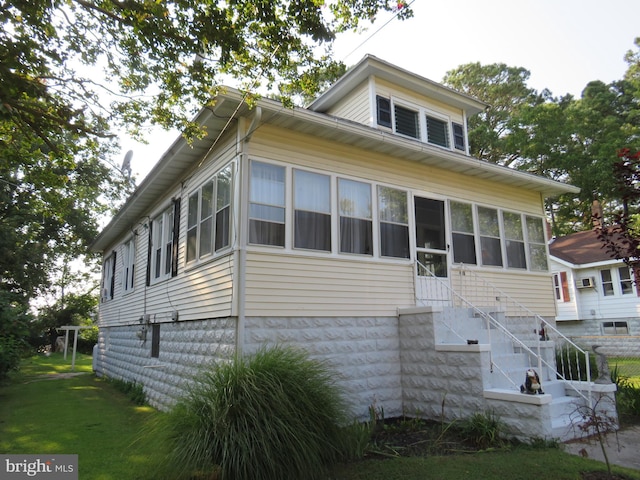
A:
x: 588, y: 282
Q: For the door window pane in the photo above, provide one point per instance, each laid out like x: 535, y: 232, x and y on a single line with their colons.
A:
x: 430, y: 224
x: 432, y: 262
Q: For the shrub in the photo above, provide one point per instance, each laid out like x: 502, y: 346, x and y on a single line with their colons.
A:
x: 483, y: 429
x: 276, y: 414
x: 10, y: 355
x: 627, y: 395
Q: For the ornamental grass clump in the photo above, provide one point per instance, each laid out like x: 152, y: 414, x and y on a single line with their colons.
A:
x: 274, y: 415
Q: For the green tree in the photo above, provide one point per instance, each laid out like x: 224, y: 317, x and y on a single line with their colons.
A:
x: 72, y: 71
x: 496, y: 135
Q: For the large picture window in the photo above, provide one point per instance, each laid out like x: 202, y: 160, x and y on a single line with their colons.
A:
x: 462, y: 231
x: 267, y: 204
x: 312, y: 210
x: 354, y: 205
x: 209, y: 217
x: 394, y: 222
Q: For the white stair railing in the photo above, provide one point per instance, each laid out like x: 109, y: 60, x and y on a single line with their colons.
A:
x: 524, y: 328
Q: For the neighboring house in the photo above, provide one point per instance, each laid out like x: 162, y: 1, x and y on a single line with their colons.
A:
x: 596, y: 296
x: 348, y: 228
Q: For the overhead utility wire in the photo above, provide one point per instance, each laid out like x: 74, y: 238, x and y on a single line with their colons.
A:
x: 381, y: 27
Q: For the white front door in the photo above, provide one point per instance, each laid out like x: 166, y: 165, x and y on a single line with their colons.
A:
x: 431, y: 252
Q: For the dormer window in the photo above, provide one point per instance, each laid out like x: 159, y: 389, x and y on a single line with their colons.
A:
x: 407, y: 122
x: 423, y: 124
x: 437, y: 132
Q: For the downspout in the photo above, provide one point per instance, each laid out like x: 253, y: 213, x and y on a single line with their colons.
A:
x: 242, y: 137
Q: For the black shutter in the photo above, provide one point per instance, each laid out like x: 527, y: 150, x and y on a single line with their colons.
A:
x: 176, y: 237
x: 384, y: 111
x: 149, y: 249
x: 113, y: 276
x: 458, y: 136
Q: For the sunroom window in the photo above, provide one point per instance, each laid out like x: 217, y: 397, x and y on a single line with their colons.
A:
x: 267, y: 204
x: 464, y: 247
x: 514, y: 240
x: 490, y: 244
x: 356, y: 229
x: 312, y: 207
x: 537, y: 248
x: 209, y: 217
x: 394, y: 222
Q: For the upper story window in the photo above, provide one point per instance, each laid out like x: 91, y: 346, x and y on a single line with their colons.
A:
x: 209, y: 217
x: 437, y: 132
x: 108, y: 278
x: 420, y: 123
x: 607, y: 282
x: 129, y: 263
x: 267, y: 204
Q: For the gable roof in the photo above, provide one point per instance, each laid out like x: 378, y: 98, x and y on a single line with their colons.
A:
x: 580, y: 248
x: 374, y: 66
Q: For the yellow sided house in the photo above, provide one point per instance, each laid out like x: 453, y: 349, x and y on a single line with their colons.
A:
x: 359, y: 229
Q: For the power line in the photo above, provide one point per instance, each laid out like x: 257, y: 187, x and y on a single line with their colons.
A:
x: 381, y: 27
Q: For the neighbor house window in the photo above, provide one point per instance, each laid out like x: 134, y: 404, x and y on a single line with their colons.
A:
x: 383, y: 110
x: 437, y: 132
x: 162, y: 251
x: 129, y: 262
x: 355, y: 209
x: 615, y: 328
x: 514, y: 240
x: 458, y: 137
x: 561, y: 286
x: 209, y: 217
x: 489, y: 230
x: 407, y: 122
x: 394, y: 222
x: 626, y: 285
x: 607, y: 282
x: 536, y: 244
x: 312, y: 210
x: 462, y: 232
x: 108, y: 278
x: 267, y: 204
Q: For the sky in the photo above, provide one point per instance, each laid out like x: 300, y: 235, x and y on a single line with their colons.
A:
x: 563, y: 43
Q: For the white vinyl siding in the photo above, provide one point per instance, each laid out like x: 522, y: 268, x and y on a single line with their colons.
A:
x: 294, y: 285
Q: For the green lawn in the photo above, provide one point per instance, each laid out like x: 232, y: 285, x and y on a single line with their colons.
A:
x: 87, y: 416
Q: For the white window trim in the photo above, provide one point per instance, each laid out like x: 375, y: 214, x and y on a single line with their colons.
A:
x: 422, y: 113
x: 201, y: 259
x: 167, y: 228
x: 128, y: 265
